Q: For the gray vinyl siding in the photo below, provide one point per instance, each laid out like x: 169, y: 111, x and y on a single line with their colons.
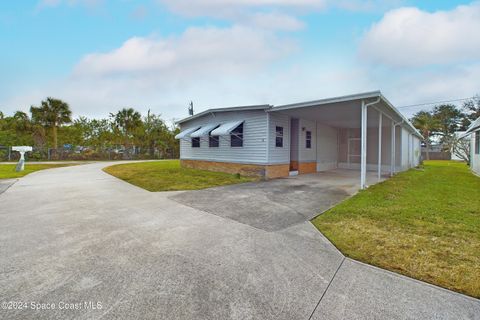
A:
x: 279, y: 155
x: 254, y: 139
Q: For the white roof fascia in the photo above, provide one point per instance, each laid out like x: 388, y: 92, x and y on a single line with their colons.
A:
x: 204, y: 130
x: 226, y: 128
x: 367, y: 95
x: 186, y: 132
x: 405, y: 120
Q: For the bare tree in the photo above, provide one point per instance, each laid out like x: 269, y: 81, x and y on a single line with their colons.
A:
x: 461, y: 148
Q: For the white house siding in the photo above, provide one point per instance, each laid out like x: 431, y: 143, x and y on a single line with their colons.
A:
x: 327, y: 146
x: 254, y: 143
x: 406, y: 149
x: 475, y: 158
x: 416, y: 151
x: 279, y: 155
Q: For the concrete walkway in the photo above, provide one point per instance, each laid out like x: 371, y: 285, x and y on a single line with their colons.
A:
x: 79, y: 238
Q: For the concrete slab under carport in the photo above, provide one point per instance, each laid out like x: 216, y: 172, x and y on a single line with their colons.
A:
x: 276, y: 204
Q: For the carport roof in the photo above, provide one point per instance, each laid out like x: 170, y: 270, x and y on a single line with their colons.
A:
x: 348, y: 99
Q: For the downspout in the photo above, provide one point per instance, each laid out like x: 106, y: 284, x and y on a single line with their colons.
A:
x: 268, y: 143
x: 363, y: 164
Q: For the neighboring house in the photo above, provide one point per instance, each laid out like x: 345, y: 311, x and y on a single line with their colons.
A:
x: 474, y: 132
x: 352, y: 132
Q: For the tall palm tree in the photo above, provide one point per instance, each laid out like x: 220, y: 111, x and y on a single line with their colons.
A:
x: 126, y: 122
x: 22, y: 121
x: 427, y: 124
x: 52, y: 114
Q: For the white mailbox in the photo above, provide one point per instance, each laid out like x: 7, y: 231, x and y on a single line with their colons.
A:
x: 22, y: 150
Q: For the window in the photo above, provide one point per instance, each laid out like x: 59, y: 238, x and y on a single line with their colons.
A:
x: 308, y: 139
x: 195, y: 142
x: 477, y: 142
x: 213, y: 141
x: 279, y: 137
x: 236, y: 137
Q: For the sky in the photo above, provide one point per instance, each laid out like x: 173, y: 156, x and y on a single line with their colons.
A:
x: 103, y: 55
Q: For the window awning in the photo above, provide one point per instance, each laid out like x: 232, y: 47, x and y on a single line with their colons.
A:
x: 186, y: 132
x: 226, y: 128
x: 204, y: 130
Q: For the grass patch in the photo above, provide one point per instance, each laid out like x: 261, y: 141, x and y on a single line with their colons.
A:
x: 421, y: 223
x: 169, y: 176
x: 7, y: 171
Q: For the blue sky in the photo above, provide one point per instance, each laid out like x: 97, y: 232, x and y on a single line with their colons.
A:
x: 101, y: 55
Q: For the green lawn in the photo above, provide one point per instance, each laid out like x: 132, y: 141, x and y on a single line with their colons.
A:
x: 169, y: 176
x: 421, y: 223
x: 7, y: 171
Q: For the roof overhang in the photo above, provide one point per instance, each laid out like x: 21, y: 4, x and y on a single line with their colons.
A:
x: 341, y: 110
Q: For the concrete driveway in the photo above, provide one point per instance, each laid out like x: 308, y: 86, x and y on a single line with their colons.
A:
x: 276, y: 204
x: 76, y: 237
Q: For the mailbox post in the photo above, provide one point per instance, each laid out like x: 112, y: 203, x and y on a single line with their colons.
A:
x: 21, y: 162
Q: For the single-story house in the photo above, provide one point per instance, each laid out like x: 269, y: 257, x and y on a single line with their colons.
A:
x: 362, y: 132
x: 474, y: 132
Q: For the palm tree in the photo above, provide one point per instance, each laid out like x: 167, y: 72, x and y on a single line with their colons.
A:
x: 126, y: 122
x: 52, y: 114
x: 427, y: 124
x: 22, y: 122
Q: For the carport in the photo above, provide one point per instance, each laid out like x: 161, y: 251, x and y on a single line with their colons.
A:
x: 363, y: 132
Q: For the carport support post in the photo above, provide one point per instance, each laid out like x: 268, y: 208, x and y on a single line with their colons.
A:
x: 380, y: 145
x: 363, y: 158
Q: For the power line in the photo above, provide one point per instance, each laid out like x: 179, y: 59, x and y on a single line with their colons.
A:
x: 433, y: 103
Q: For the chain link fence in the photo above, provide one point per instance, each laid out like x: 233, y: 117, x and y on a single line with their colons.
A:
x: 71, y: 153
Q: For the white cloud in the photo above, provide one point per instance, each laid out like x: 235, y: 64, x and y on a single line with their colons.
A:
x: 411, y: 37
x: 211, y: 66
x: 232, y: 8
x: 229, y: 8
x: 206, y: 51
x: 274, y: 21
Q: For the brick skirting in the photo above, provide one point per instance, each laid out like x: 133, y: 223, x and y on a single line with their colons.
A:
x: 307, y: 167
x: 252, y: 170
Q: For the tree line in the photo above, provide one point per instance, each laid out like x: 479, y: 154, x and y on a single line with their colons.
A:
x: 441, y: 125
x: 54, y: 134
